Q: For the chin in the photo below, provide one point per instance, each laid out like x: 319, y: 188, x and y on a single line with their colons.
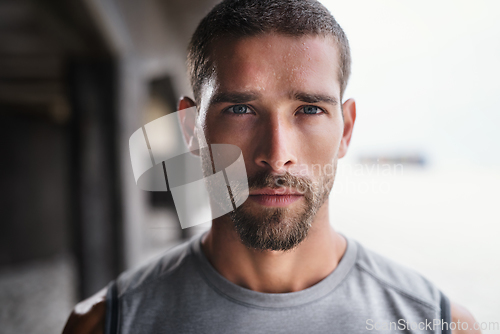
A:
x: 276, y: 229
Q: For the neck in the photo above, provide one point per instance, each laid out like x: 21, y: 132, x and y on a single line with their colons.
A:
x: 275, y: 271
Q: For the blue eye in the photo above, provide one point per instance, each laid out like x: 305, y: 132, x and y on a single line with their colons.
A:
x: 239, y: 109
x: 311, y: 110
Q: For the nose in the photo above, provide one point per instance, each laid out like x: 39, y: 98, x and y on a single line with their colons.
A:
x: 276, y: 147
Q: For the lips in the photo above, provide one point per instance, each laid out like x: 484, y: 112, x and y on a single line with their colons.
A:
x: 281, y: 197
x: 283, y: 191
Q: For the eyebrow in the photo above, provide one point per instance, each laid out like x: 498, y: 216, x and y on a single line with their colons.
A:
x: 245, y: 97
x: 314, y: 98
x: 234, y: 97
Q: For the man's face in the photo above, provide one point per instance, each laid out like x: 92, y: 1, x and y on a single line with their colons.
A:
x: 278, y: 99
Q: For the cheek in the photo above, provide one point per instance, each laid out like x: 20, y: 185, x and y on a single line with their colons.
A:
x: 221, y: 130
x: 318, y: 149
x: 320, y: 142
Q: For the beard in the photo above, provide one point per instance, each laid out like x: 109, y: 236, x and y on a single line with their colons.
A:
x: 268, y: 228
x: 281, y: 229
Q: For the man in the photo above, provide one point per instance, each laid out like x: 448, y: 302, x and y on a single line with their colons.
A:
x: 269, y: 77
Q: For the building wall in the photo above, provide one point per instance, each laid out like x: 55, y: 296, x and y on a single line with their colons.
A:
x: 58, y: 166
x: 150, y: 41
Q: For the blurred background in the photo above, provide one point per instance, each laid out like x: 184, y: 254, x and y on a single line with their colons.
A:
x: 421, y: 181
x: 78, y: 77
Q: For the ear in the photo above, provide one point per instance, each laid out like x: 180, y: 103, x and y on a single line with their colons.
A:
x: 349, y: 110
x: 187, y: 121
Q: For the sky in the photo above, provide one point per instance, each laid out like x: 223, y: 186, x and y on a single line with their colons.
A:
x: 426, y: 78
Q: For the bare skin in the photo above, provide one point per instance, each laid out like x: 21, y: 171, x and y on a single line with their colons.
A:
x: 275, y: 77
x: 88, y: 316
x: 460, y: 315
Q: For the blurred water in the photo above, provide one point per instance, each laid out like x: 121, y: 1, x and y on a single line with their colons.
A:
x: 444, y: 223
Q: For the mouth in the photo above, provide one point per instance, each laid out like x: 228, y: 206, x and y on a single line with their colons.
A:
x: 281, y: 197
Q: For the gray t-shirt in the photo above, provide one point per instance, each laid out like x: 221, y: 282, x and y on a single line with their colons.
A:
x: 180, y: 292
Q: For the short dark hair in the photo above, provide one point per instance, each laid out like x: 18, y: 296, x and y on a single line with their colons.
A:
x: 247, y: 18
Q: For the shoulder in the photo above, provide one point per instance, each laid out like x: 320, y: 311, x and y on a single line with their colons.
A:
x: 166, y: 266
x: 398, y: 279
x: 407, y: 283
x: 463, y: 319
x: 88, y: 316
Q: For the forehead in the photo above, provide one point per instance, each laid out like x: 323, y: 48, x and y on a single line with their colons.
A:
x: 277, y: 64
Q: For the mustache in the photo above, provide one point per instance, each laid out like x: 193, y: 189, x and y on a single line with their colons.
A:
x: 265, y: 179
